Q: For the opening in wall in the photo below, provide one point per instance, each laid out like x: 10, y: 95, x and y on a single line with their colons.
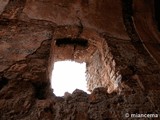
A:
x: 157, y: 13
x: 96, y: 73
x: 68, y: 76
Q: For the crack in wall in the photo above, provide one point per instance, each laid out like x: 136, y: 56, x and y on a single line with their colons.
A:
x: 81, y: 27
x: 127, y: 9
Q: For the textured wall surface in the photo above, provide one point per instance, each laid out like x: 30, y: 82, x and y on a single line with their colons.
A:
x: 118, y: 39
x: 3, y: 4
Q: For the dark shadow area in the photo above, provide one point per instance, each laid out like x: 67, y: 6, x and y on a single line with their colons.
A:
x: 157, y: 12
x: 3, y: 82
x: 70, y: 41
x: 40, y: 90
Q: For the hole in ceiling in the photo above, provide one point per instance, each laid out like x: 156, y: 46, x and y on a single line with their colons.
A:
x: 69, y: 41
x: 68, y: 76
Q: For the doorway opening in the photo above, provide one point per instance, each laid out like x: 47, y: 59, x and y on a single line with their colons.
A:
x: 68, y: 76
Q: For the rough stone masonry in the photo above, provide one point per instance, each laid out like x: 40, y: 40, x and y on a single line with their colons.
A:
x: 118, y: 39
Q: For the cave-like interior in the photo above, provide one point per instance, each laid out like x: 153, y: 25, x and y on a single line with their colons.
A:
x: 119, y: 40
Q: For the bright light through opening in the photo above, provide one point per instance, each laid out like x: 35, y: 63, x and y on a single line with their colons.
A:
x: 68, y: 76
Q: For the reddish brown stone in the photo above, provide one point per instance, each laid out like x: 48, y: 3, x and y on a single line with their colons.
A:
x: 118, y: 40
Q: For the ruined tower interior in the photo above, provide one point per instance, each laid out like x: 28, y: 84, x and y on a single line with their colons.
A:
x: 119, y: 40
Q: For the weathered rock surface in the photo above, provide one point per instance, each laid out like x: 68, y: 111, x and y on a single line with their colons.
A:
x: 3, y: 5
x: 19, y: 39
x: 118, y: 40
x: 90, y: 14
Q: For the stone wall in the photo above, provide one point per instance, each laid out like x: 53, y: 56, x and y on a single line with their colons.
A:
x: 122, y: 56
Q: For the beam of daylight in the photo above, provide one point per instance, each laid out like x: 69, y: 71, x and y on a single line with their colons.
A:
x: 68, y: 76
